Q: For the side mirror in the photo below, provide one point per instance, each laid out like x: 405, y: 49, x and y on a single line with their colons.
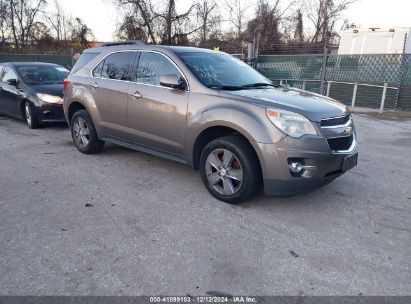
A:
x: 12, y: 82
x: 173, y: 81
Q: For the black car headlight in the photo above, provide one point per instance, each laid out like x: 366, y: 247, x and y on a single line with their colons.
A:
x: 50, y: 98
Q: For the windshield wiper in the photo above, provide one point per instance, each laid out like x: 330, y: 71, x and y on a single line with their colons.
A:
x: 260, y: 84
x: 227, y: 87
x: 243, y: 87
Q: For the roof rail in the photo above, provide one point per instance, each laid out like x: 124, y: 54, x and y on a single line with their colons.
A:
x: 129, y: 42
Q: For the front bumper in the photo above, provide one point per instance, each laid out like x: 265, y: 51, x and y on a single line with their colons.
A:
x: 51, y: 113
x: 313, y: 151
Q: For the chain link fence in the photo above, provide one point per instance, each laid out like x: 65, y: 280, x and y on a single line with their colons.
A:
x: 372, y: 81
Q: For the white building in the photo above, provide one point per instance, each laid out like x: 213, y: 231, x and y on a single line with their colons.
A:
x: 375, y: 41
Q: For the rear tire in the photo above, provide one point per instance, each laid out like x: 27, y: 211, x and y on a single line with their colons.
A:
x: 230, y: 169
x: 84, y: 133
x: 31, y: 117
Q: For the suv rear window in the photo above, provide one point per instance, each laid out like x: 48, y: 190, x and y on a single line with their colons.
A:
x: 84, y: 59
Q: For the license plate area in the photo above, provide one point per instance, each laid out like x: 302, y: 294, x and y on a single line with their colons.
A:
x: 350, y: 162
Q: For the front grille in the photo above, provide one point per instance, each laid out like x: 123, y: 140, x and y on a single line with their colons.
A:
x: 338, y: 121
x: 341, y: 143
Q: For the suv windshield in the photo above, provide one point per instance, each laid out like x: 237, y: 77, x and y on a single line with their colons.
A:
x: 42, y: 74
x: 222, y: 71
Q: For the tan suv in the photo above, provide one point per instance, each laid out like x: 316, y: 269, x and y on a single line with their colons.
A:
x: 212, y: 112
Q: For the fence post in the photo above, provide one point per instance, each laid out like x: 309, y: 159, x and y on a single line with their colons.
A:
x: 384, y: 93
x: 328, y: 88
x: 354, y: 96
x: 250, y: 53
x: 257, y: 50
x: 401, y: 75
x: 324, y: 70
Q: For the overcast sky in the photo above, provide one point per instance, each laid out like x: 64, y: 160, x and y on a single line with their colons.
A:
x: 102, y: 17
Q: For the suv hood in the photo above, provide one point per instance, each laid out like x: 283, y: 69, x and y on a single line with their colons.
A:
x: 313, y: 106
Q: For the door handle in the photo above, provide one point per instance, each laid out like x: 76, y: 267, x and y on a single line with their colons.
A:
x: 94, y: 85
x: 136, y: 95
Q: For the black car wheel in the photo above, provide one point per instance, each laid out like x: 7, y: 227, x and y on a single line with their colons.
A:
x: 31, y: 118
x: 230, y: 169
x: 84, y: 133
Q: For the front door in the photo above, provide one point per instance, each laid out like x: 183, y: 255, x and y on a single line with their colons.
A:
x: 9, y: 94
x: 156, y: 114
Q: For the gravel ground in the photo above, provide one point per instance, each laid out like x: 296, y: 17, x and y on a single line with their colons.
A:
x: 151, y: 227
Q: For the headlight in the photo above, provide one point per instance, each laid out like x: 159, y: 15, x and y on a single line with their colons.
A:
x: 50, y: 98
x: 292, y: 124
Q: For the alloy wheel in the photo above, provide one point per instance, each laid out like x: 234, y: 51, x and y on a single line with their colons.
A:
x: 27, y: 111
x: 224, y: 172
x: 81, y: 132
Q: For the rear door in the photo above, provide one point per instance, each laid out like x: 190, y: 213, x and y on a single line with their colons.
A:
x: 156, y: 114
x: 109, y: 87
x: 9, y: 95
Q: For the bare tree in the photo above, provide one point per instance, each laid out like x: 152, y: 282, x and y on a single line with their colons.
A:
x: 299, y: 27
x: 323, y: 15
x: 237, y: 11
x: 130, y: 29
x: 4, y: 22
x: 142, y: 11
x: 24, y: 19
x: 160, y: 24
x: 41, y: 32
x: 57, y: 21
x: 176, y: 27
x: 80, y: 32
x: 207, y: 18
x: 267, y: 20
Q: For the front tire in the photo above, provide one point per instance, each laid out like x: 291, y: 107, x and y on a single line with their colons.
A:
x: 31, y: 117
x: 84, y: 133
x: 230, y: 169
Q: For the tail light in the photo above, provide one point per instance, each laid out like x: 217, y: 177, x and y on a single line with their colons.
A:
x: 65, y: 83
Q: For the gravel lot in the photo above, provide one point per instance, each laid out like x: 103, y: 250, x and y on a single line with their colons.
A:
x: 152, y: 228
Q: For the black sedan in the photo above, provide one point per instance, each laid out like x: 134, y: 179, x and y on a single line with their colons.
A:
x: 32, y: 91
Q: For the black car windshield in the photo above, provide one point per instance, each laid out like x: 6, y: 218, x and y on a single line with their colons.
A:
x: 42, y: 74
x: 222, y: 71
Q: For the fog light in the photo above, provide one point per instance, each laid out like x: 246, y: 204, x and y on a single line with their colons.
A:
x: 296, y: 167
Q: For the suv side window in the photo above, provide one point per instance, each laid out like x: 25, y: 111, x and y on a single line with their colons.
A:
x: 117, y: 66
x: 152, y: 66
x: 98, y: 69
x: 8, y: 74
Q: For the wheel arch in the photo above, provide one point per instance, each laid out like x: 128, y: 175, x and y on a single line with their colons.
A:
x: 73, y: 108
x: 21, y: 107
x: 80, y: 98
x: 217, y: 131
x: 221, y: 120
